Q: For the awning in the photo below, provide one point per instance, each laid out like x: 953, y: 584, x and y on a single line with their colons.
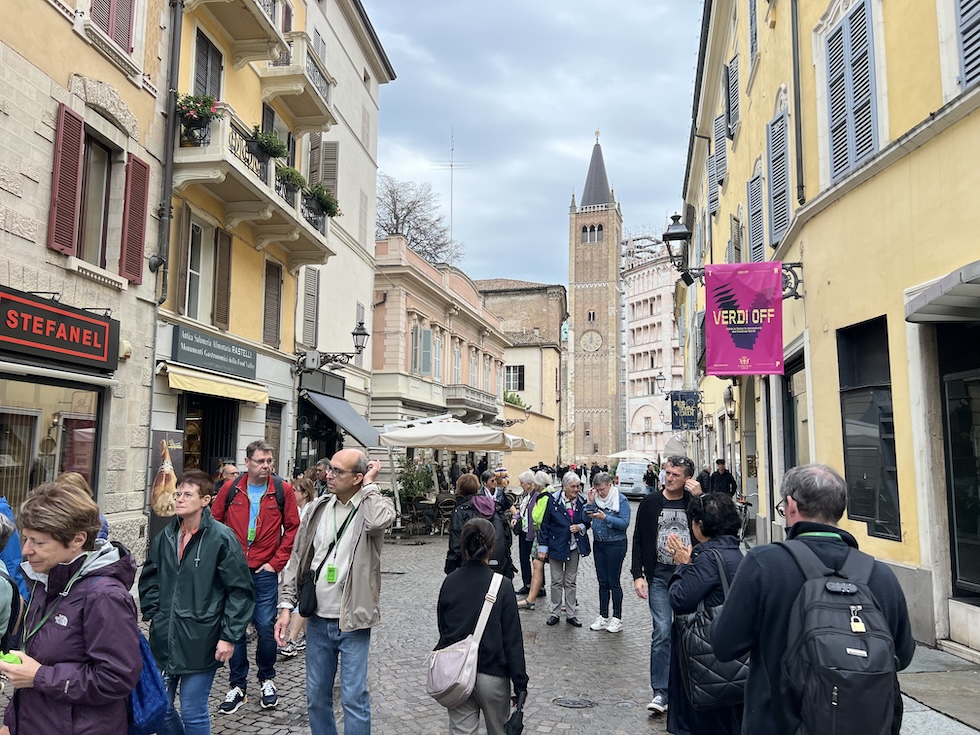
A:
x: 953, y: 298
x: 345, y: 416
x: 198, y: 381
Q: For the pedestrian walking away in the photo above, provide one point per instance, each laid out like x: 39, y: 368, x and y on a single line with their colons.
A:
x: 721, y: 480
x: 500, y: 662
x: 260, y: 508
x: 757, y: 617
x: 660, y: 515
x: 337, y: 556
x: 564, y: 542
x: 196, y: 591
x: 476, y: 503
x: 610, y: 513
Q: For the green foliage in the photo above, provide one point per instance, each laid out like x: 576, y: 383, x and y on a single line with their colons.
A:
x: 513, y: 399
x: 326, y: 200
x: 193, y: 107
x: 270, y: 143
x: 290, y: 177
x: 414, y: 479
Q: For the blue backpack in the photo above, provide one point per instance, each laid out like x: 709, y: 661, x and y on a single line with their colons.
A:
x: 148, y: 702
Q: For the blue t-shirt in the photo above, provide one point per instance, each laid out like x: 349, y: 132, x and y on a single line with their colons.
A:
x: 255, y: 493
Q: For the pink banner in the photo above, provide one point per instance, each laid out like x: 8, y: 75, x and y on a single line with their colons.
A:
x: 743, y: 320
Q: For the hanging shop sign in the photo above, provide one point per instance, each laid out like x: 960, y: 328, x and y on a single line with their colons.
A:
x: 207, y: 351
x: 684, y: 410
x: 744, y: 318
x: 39, y: 327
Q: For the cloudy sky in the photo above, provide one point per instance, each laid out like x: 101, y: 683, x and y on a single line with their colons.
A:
x: 522, y: 85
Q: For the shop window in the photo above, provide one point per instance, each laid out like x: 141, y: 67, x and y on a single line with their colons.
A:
x: 514, y: 377
x: 870, y: 464
x: 796, y: 418
x: 272, y: 312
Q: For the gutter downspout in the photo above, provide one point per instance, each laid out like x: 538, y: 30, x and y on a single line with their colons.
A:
x: 797, y: 101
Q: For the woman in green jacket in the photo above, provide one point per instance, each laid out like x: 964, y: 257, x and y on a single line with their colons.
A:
x: 197, y: 592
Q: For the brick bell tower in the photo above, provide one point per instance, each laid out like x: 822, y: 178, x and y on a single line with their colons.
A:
x: 595, y: 400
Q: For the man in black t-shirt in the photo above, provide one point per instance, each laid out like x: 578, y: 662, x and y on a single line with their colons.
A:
x: 660, y: 515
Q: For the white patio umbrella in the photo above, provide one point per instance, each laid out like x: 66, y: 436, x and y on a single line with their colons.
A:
x: 633, y: 454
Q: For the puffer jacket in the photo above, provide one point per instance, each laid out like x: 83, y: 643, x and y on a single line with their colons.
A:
x: 555, y: 539
x: 88, y: 647
x: 362, y: 591
x: 193, y: 603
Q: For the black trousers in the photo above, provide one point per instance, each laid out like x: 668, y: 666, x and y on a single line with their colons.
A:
x: 524, y: 549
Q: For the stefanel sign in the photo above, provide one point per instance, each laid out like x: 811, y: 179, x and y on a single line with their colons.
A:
x: 38, y: 327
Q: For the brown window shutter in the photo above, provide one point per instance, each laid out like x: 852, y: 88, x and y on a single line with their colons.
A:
x: 221, y: 309
x: 135, y: 209
x: 66, y: 181
x: 101, y: 14
x: 122, y: 24
x: 315, y: 139
x: 287, y: 18
x: 183, y: 258
x: 311, y: 284
x: 273, y: 303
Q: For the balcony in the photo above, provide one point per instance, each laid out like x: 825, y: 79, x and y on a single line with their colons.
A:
x: 251, y: 26
x: 470, y: 404
x: 223, y: 166
x: 301, y: 82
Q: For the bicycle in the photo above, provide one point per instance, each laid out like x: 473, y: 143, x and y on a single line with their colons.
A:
x: 742, y: 505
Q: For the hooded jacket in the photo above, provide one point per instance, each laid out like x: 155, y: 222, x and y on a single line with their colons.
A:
x: 481, y: 506
x: 88, y: 647
x: 555, y: 538
x: 193, y: 603
x: 362, y: 589
x: 274, y: 531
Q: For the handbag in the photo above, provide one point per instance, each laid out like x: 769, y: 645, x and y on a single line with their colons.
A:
x: 306, y: 605
x: 148, y: 702
x: 708, y: 682
x: 452, y: 669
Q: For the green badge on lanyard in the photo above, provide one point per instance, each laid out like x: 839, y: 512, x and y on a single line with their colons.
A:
x: 331, y: 573
x: 251, y: 535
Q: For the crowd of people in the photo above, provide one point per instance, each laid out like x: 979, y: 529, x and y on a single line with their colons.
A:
x: 300, y: 562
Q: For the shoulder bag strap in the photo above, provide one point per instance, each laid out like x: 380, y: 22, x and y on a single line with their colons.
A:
x: 722, y: 572
x: 488, y: 601
x: 806, y: 559
x: 857, y: 567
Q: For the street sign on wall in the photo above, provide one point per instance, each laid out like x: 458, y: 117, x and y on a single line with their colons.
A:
x: 684, y: 410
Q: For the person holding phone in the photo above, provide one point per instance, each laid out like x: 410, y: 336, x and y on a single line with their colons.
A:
x: 610, y: 513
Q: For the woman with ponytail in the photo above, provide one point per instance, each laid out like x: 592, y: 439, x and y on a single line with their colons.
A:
x: 501, y: 657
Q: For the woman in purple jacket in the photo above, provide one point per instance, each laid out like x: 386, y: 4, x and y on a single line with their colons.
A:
x: 81, y: 655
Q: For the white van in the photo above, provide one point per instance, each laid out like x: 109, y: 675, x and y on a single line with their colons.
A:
x: 629, y: 479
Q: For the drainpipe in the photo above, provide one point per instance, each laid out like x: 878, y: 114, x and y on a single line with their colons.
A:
x: 797, y: 101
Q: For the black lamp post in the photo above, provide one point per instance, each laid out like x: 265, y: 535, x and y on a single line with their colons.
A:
x: 312, y: 360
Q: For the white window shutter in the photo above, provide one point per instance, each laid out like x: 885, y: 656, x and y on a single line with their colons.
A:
x: 733, y: 102
x: 721, y: 149
x: 756, y: 229
x: 712, y: 187
x: 311, y: 289
x: 777, y: 155
x: 968, y: 22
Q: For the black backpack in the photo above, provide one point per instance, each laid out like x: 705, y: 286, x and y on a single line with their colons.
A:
x: 501, y: 560
x: 12, y: 636
x: 839, y: 673
x: 276, y: 482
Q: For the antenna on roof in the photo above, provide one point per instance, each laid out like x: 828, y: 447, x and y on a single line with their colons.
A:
x: 452, y: 164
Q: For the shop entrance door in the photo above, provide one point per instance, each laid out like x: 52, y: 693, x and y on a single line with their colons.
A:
x: 962, y: 396
x: 210, y: 432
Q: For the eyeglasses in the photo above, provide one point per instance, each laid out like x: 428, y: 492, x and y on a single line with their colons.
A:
x: 185, y: 496
x: 781, y: 507
x: 340, y: 472
x: 261, y: 461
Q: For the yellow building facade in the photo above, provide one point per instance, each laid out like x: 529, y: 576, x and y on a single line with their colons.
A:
x: 837, y: 136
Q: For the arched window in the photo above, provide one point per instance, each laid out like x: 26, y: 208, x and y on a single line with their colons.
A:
x: 591, y: 316
x: 599, y: 233
x: 585, y: 233
x: 592, y: 233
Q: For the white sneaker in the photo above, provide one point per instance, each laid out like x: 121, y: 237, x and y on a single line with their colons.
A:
x: 615, y: 625
x: 658, y: 705
x: 600, y: 623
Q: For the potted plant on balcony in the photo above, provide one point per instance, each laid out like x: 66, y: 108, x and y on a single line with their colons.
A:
x: 265, y: 145
x: 290, y: 179
x: 321, y: 199
x: 195, y: 112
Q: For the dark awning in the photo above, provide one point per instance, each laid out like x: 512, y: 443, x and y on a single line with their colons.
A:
x: 953, y: 298
x: 345, y: 416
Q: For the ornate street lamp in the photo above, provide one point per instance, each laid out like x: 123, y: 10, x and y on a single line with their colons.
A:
x: 311, y: 361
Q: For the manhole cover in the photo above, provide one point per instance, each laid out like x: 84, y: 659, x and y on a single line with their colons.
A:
x: 574, y: 702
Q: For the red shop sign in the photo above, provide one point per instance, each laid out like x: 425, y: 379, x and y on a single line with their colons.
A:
x: 43, y: 328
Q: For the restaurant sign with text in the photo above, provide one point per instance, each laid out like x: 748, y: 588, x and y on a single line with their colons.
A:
x: 744, y: 318
x: 192, y: 347
x: 39, y: 327
x: 684, y: 411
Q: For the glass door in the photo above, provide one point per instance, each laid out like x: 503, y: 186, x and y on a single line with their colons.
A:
x: 963, y: 455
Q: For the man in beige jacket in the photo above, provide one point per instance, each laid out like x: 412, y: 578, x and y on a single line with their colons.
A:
x: 340, y: 539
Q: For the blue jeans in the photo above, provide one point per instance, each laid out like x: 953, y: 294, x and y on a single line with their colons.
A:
x: 325, y: 643
x: 193, y: 718
x: 660, y: 637
x: 609, y: 557
x: 264, y: 617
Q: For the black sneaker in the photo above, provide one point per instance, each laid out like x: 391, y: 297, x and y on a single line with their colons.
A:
x: 233, y: 700
x: 269, y: 696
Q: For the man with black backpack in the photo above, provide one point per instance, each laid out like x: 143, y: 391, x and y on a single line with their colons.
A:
x: 826, y: 626
x: 260, y: 508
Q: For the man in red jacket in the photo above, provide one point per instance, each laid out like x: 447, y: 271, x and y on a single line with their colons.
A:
x: 265, y: 524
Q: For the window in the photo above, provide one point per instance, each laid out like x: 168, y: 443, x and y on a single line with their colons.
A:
x: 287, y: 18
x: 486, y: 375
x: 273, y: 424
x: 721, y: 149
x: 203, y: 271
x: 588, y: 428
x: 851, y: 91
x: 731, y: 98
x: 311, y: 300
x: 591, y: 316
x: 115, y: 19
x: 473, y: 368
x: 207, y: 67
x: 271, y: 317
x: 200, y: 266
x: 514, y: 377
x: 421, y: 350
x: 598, y: 231
x: 870, y: 465
x: 753, y: 30
x: 734, y: 254
x: 756, y: 228
x: 647, y: 423
x: 319, y: 47
x: 585, y: 233
x: 81, y: 189
x: 457, y: 365
x: 323, y: 163
x: 968, y: 21
x: 777, y: 159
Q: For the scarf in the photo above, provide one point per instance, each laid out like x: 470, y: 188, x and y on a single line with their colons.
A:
x: 610, y: 502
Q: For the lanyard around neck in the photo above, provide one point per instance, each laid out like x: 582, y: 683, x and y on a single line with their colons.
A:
x: 54, y: 606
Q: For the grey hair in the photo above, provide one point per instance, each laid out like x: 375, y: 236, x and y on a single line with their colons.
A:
x: 487, y: 476
x: 542, y: 479
x: 683, y: 462
x: 7, y: 529
x: 322, y: 463
x: 526, y: 476
x: 819, y: 491
x: 259, y: 445
x: 570, y: 477
x: 361, y: 465
x: 602, y: 478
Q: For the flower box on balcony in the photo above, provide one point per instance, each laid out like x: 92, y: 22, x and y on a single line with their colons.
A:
x: 320, y: 198
x: 266, y: 145
x: 291, y: 179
